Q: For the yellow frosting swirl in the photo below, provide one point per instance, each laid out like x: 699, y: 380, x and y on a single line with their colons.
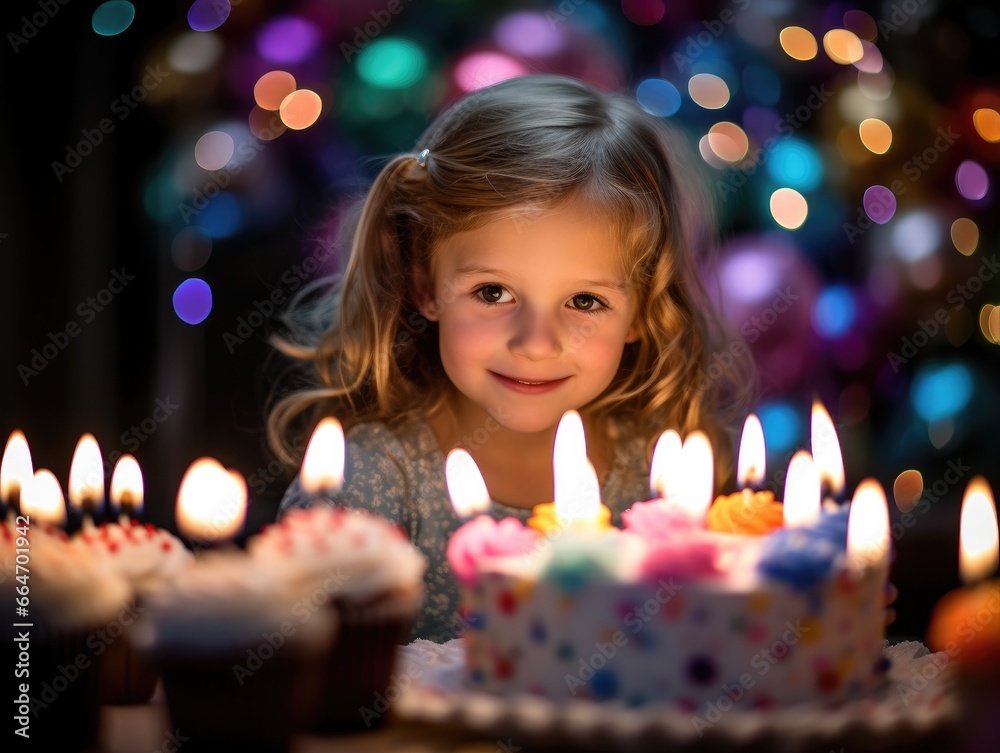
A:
x: 748, y: 513
x: 543, y: 519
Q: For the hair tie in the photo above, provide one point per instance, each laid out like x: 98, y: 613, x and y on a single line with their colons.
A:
x: 422, y: 157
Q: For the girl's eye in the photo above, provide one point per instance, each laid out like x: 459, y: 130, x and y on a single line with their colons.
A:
x: 586, y: 302
x: 493, y: 294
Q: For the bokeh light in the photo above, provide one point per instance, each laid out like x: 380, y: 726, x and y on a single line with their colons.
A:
x: 940, y: 391
x: 877, y: 86
x: 907, y: 489
x: 965, y: 235
x: 985, y: 314
x: 208, y: 15
x: 728, y: 141
x: 530, y: 34
x: 834, y: 312
x: 300, y: 109
x: 484, y: 68
x: 972, y: 180
x: 843, y: 46
x: 222, y: 216
x: 876, y: 135
x: 879, y: 204
x: 392, y: 63
x: 272, y: 88
x: 708, y: 91
x: 658, y: 97
x: 643, y: 12
x: 987, y: 123
x: 789, y: 208
x: 862, y: 24
x: 264, y: 124
x: 798, y: 43
x: 794, y: 162
x: 191, y: 249
x: 995, y: 324
x: 214, y: 150
x: 782, y: 426
x: 112, y: 18
x: 288, y: 39
x: 916, y: 236
x: 192, y: 300
x: 871, y: 61
x: 194, y: 52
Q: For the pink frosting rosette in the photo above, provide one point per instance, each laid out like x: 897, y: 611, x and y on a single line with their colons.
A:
x: 659, y: 519
x: 682, y: 558
x: 486, y: 537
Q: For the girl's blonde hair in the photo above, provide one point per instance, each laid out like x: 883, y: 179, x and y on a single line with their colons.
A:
x: 534, y: 142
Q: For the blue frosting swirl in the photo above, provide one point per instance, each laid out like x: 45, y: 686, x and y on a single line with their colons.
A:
x: 803, y: 557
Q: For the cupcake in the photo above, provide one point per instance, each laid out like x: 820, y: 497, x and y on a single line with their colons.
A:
x: 230, y: 651
x: 71, y: 598
x: 146, y: 557
x: 366, y: 569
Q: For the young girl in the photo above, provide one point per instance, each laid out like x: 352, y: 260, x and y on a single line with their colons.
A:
x: 534, y: 254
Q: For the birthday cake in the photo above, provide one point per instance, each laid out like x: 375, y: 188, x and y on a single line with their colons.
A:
x: 703, y: 614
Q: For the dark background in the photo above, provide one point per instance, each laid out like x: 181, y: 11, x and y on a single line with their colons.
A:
x: 62, y: 240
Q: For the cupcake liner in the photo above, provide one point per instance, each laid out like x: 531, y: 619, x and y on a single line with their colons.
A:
x: 128, y: 675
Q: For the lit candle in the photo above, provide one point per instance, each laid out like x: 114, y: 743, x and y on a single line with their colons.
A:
x: 466, y: 487
x: 802, y: 491
x: 42, y: 499
x: 211, y: 502
x: 86, y: 481
x: 979, y: 542
x: 827, y: 454
x: 322, y: 471
x: 127, y: 489
x: 868, y: 527
x: 751, y: 465
x: 577, y: 493
x: 15, y: 473
x: 696, y: 483
x: 665, y: 468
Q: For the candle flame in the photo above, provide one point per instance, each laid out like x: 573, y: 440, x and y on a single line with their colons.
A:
x: 126, y: 484
x: 466, y: 486
x: 802, y: 492
x: 751, y: 464
x: 323, y: 464
x: 577, y: 495
x: 979, y: 550
x: 15, y: 468
x: 826, y: 449
x: 86, y: 474
x: 868, y: 525
x: 665, y: 467
x: 211, y: 502
x: 697, y: 482
x: 42, y: 499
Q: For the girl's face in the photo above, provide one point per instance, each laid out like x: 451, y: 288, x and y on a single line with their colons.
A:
x: 533, y: 314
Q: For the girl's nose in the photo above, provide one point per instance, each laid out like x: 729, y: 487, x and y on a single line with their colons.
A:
x: 535, y: 335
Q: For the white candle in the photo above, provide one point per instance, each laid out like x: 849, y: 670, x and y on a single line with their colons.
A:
x: 979, y: 542
x: 697, y: 484
x: 577, y: 493
x: 466, y: 487
x: 323, y: 464
x: 42, y: 499
x: 211, y: 502
x: 127, y: 488
x: 802, y: 492
x: 86, y: 479
x: 868, y: 526
x: 826, y: 451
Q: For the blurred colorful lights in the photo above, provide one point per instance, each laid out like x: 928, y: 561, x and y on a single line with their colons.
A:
x: 834, y: 312
x: 916, y: 236
x: 530, y: 34
x: 965, y: 235
x: 708, y: 91
x: 782, y: 426
x: 300, y: 109
x: 193, y: 52
x: 876, y: 135
x: 192, y: 300
x: 214, y: 150
x: 658, y: 97
x: 789, y: 208
x: 987, y: 123
x: 972, y: 180
x: 288, y: 39
x: 208, y: 15
x: 272, y: 88
x: 798, y: 43
x: 643, y: 12
x: 112, y: 18
x: 392, y: 63
x: 728, y: 141
x: 484, y: 68
x: 879, y: 204
x: 795, y: 163
x: 843, y: 46
x: 940, y: 391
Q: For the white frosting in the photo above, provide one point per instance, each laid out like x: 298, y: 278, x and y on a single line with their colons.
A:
x: 143, y: 554
x: 366, y: 555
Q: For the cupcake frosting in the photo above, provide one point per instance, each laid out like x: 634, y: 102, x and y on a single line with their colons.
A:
x: 366, y: 555
x: 485, y: 537
x: 143, y: 554
x: 659, y: 519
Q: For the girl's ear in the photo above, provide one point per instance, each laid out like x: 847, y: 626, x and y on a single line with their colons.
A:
x: 423, y: 294
x: 633, y: 333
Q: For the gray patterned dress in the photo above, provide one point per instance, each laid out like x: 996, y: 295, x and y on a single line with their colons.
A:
x: 398, y: 473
